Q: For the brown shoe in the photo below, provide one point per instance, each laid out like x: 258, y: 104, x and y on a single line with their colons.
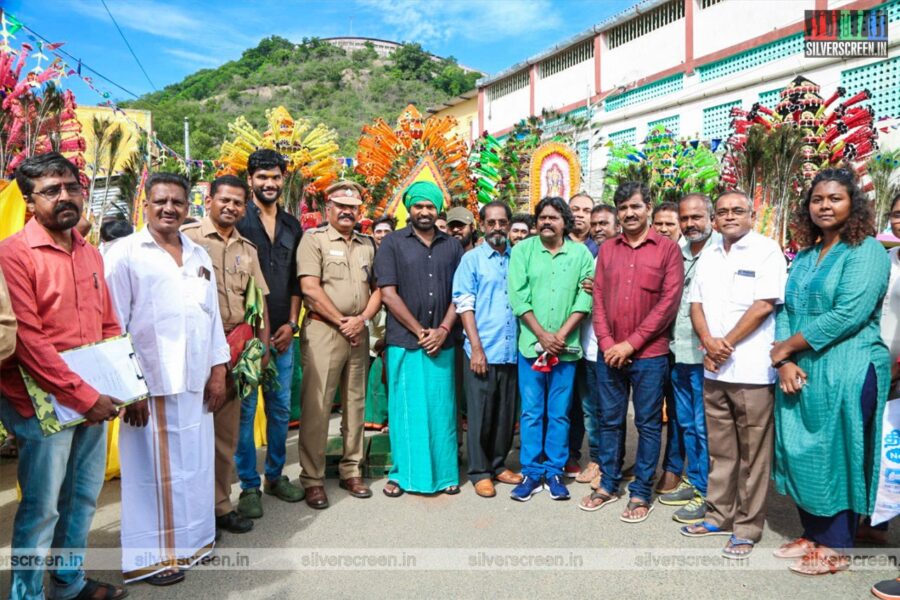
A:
x: 588, y: 473
x: 668, y: 483
x: 509, y: 477
x: 356, y: 487
x: 485, y: 488
x: 316, y: 497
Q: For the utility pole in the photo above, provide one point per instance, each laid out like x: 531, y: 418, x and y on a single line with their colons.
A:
x: 187, y: 146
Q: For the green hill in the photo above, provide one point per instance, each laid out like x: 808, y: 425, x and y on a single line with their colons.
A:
x: 312, y: 79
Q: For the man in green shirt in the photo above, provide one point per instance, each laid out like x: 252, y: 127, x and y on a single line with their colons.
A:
x: 545, y: 293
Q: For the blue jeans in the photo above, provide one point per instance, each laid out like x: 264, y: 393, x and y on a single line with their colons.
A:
x: 60, y: 476
x: 278, y: 413
x: 544, y: 427
x: 644, y: 378
x: 586, y: 388
x: 673, y: 458
x: 687, y: 384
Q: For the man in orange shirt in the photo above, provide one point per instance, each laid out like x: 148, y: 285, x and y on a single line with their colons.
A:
x: 60, y: 299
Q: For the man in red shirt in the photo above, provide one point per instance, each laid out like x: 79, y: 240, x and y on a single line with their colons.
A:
x: 59, y: 296
x: 637, y: 290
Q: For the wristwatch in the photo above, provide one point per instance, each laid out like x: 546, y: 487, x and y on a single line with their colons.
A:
x: 294, y: 327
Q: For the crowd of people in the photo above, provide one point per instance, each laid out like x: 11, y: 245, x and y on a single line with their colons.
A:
x: 739, y: 369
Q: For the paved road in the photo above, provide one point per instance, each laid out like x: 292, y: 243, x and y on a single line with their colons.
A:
x: 453, y: 542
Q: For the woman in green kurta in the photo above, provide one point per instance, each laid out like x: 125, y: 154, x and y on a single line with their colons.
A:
x: 834, y: 372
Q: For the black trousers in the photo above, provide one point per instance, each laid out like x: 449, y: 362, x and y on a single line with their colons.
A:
x: 492, y: 418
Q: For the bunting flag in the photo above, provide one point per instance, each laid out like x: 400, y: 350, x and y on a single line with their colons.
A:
x: 12, y: 209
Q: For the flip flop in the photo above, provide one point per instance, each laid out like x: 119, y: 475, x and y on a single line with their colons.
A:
x: 398, y: 491
x: 91, y: 586
x: 591, y: 507
x: 729, y: 550
x: 691, y: 530
x: 632, y: 505
x: 167, y: 577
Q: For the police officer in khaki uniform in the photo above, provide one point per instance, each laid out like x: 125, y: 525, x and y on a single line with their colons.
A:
x: 235, y: 261
x: 334, y: 264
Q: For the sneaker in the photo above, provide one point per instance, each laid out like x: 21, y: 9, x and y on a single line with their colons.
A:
x: 525, y: 490
x: 572, y: 469
x: 250, y: 503
x: 889, y: 589
x: 233, y: 523
x: 692, y: 512
x: 558, y: 490
x: 283, y: 489
x: 680, y: 496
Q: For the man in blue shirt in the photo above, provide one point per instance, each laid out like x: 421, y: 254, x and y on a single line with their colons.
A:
x: 489, y: 378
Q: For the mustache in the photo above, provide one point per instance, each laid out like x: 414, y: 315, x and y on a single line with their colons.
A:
x: 547, y: 226
x: 63, y: 206
x: 345, y: 216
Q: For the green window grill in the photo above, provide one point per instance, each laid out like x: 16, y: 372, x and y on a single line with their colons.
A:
x: 882, y: 79
x: 625, y: 136
x: 672, y: 123
x: 646, y: 92
x: 583, y: 154
x: 770, y: 98
x: 717, y: 120
x: 752, y: 58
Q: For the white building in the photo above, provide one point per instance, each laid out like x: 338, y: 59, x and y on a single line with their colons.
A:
x: 382, y: 48
x: 684, y: 64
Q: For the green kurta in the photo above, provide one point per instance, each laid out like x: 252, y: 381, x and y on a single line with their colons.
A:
x: 822, y: 459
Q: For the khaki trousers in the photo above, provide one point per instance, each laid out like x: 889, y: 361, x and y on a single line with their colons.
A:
x: 227, y: 424
x: 740, y: 429
x: 329, y: 361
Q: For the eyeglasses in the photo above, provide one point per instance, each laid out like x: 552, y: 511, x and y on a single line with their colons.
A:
x: 52, y: 193
x: 737, y: 212
x: 894, y: 216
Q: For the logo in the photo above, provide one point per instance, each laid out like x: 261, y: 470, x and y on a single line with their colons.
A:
x: 846, y: 33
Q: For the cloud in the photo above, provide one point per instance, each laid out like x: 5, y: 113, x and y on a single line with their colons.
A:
x: 194, y: 59
x: 430, y: 22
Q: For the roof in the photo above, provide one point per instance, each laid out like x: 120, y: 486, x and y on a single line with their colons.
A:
x: 617, y: 19
x: 453, y: 101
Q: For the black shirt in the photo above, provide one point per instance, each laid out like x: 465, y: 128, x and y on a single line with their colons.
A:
x: 278, y: 259
x: 424, y: 279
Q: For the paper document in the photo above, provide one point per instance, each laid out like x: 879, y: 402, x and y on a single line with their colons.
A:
x: 110, y: 367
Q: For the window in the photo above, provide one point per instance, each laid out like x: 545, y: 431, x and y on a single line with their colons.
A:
x: 625, y: 136
x: 770, y: 99
x: 717, y: 120
x: 658, y: 88
x: 707, y: 3
x: 569, y: 58
x: 882, y: 79
x: 672, y: 124
x: 752, y: 58
x: 658, y: 17
x: 584, y: 152
x: 508, y: 85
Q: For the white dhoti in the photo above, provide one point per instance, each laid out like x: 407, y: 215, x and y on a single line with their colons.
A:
x: 168, y: 516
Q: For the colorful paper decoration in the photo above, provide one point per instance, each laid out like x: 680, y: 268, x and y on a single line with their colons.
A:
x: 555, y: 171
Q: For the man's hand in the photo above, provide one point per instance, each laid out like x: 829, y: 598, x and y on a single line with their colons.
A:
x: 352, y: 327
x: 106, y: 408
x: 792, y: 378
x: 709, y: 365
x: 379, y: 346
x: 779, y: 352
x: 264, y: 361
x: 718, y: 349
x: 282, y: 337
x: 895, y: 372
x: 587, y: 284
x: 433, y: 340
x: 551, y: 342
x: 214, y: 393
x: 478, y: 362
x: 138, y: 414
x: 617, y: 356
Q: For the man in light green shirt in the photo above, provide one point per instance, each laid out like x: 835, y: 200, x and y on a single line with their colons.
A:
x: 695, y: 220
x: 545, y: 293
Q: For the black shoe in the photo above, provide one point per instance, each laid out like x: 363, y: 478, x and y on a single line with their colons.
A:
x: 234, y: 523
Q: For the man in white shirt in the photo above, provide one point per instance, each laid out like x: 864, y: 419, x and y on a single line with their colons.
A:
x: 738, y: 283
x: 164, y: 291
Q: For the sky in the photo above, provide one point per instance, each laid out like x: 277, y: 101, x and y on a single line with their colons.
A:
x: 174, y: 38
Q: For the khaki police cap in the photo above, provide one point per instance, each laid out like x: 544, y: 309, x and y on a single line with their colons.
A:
x: 345, y: 192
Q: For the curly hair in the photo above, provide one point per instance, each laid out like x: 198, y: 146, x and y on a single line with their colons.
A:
x: 560, y: 206
x: 629, y: 189
x: 860, y: 224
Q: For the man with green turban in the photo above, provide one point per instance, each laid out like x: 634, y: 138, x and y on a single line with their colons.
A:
x: 414, y: 268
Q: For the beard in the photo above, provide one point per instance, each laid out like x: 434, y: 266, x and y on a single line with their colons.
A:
x: 59, y: 223
x: 423, y: 223
x: 496, y: 238
x: 699, y: 236
x: 260, y: 195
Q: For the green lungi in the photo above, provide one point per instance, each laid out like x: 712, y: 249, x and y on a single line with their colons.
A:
x: 376, y: 397
x: 422, y: 405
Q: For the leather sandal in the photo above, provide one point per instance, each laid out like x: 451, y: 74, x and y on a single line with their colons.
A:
x: 795, y: 549
x: 110, y: 592
x: 396, y: 492
x: 821, y: 561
